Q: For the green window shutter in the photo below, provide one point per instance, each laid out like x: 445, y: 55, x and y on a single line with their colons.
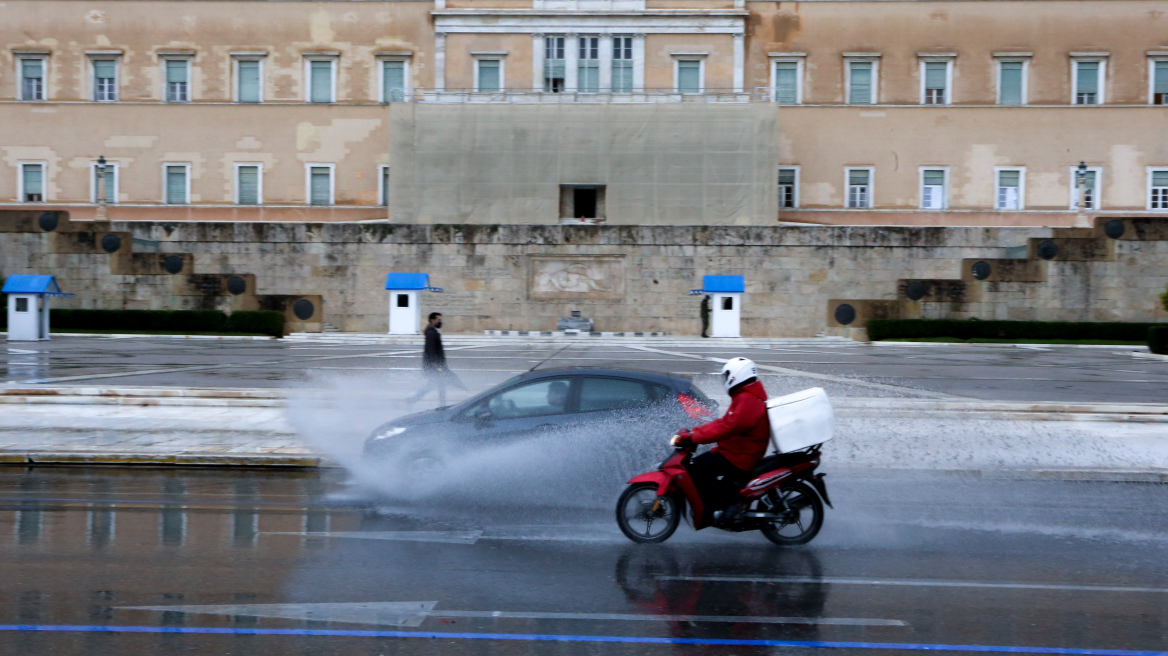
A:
x: 1160, y: 84
x: 786, y: 176
x: 1090, y: 179
x: 1008, y: 178
x: 176, y: 185
x: 1160, y: 178
x: 1011, y: 82
x: 34, y: 180
x: 321, y: 81
x: 176, y: 71
x: 858, y: 177
x: 935, y: 74
x: 32, y: 69
x: 934, y: 178
x: 622, y: 76
x: 860, y: 92
x: 553, y: 68
x: 249, y: 185
x: 689, y: 74
x: 249, y: 81
x: 320, y: 179
x: 393, y: 81
x: 1088, y: 77
x: 589, y: 77
x: 786, y: 83
x: 488, y: 75
x: 105, y: 69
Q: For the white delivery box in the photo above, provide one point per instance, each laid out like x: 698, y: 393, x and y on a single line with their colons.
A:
x: 800, y: 420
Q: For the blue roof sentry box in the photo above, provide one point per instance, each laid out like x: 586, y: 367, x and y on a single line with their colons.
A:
x: 724, y: 284
x: 407, y: 281
x: 26, y: 284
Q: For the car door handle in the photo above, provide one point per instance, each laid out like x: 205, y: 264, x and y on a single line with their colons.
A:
x: 543, y: 427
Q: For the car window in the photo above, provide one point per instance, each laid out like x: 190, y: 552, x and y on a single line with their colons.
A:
x: 542, y: 397
x: 617, y: 393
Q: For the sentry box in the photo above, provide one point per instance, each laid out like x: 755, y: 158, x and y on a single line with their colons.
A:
x: 28, y: 306
x: 405, y: 311
x: 725, y: 303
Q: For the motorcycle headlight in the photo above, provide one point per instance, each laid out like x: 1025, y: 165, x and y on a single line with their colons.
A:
x: 389, y: 432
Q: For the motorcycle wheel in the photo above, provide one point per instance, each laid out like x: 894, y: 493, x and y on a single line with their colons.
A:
x: 802, y: 524
x: 639, y: 521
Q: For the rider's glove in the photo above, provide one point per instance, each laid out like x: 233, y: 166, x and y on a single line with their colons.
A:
x: 683, y: 438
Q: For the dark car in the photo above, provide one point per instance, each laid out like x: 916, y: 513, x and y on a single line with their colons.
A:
x: 548, y: 402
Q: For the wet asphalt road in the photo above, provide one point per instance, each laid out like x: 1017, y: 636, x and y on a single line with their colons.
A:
x: 111, y: 562
x: 1106, y: 375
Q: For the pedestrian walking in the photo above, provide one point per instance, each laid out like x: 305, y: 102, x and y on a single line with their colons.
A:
x: 705, y: 312
x: 434, y: 368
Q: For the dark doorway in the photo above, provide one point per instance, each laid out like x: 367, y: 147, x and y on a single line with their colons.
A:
x: 584, y: 202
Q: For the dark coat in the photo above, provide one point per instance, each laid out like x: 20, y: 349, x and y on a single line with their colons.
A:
x: 743, y: 434
x: 433, y: 356
x: 705, y: 308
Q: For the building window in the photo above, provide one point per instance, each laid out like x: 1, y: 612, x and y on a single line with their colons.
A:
x: 383, y: 185
x: 622, y: 64
x: 787, y: 80
x: 249, y: 76
x: 1009, y: 187
x: 489, y: 75
x: 32, y: 182
x: 320, y: 184
x: 859, y: 187
x: 1089, y: 75
x: 249, y: 184
x: 862, y: 81
x: 934, y: 188
x: 1158, y: 69
x: 788, y: 188
x: 1091, y: 199
x: 936, y: 79
x: 1012, y: 82
x: 111, y: 182
x: 176, y: 187
x: 105, y: 80
x: 178, y: 79
x: 588, y: 64
x: 688, y: 74
x: 394, y: 73
x: 322, y: 80
x: 1158, y: 189
x: 32, y: 78
x: 553, y: 64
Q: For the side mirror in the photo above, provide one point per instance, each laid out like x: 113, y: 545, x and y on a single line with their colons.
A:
x: 482, y: 415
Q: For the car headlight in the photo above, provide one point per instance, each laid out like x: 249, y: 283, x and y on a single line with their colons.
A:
x: 389, y: 432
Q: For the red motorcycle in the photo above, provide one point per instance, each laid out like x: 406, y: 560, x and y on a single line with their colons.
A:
x: 783, y: 498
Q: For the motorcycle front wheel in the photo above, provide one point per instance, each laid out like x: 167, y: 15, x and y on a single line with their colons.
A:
x: 800, y: 513
x: 645, y: 517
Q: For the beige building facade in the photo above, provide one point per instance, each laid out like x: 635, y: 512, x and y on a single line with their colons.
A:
x: 895, y: 113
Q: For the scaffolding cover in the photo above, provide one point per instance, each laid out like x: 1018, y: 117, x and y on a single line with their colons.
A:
x: 677, y: 164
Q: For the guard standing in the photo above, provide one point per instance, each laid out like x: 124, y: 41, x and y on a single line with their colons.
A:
x: 705, y: 312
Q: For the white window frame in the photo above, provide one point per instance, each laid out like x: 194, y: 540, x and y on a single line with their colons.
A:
x: 1081, y: 58
x: 491, y: 55
x: 795, y: 191
x: 1021, y: 170
x: 700, y: 58
x: 944, y: 187
x: 308, y: 166
x: 44, y: 181
x: 871, y: 186
x: 165, y: 197
x: 948, y: 60
x: 1096, y: 201
x: 43, y: 58
x: 1012, y: 58
x: 116, y: 58
x: 236, y: 57
x: 797, y: 58
x: 332, y: 59
x: 382, y: 192
x: 874, y: 59
x: 190, y: 78
x: 1154, y: 57
x: 259, y: 181
x: 1151, y: 170
x: 112, y: 192
x: 382, y: 58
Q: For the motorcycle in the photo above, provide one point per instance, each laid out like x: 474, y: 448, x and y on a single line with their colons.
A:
x: 783, y: 498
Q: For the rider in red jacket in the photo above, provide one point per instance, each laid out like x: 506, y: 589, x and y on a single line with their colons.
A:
x: 741, y: 436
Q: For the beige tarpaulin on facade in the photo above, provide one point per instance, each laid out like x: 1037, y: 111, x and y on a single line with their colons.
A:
x: 686, y: 163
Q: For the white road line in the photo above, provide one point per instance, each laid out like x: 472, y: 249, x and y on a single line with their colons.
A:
x: 916, y: 583
x: 634, y: 617
x: 445, y: 537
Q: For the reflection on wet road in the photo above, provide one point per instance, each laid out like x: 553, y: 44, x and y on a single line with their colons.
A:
x: 113, y: 562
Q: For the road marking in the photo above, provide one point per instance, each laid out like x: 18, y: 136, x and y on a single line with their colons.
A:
x: 382, y: 613
x: 923, y: 583
x: 634, y: 617
x: 531, y: 637
x: 446, y: 537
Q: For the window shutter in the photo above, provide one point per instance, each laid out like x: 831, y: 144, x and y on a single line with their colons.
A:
x: 385, y: 186
x: 393, y: 81
x: 322, y: 81
x: 1008, y: 178
x: 176, y: 71
x: 249, y: 185
x: 176, y: 185
x: 860, y: 92
x: 689, y: 77
x: 488, y: 75
x: 1160, y: 85
x: 104, y: 69
x: 786, y: 176
x: 1160, y: 178
x: 1088, y: 77
x: 622, y: 76
x: 249, y: 81
x: 935, y: 74
x: 934, y: 178
x: 33, y: 68
x: 319, y: 192
x: 553, y: 68
x: 1090, y: 179
x: 34, y: 179
x: 1011, y: 81
x: 858, y: 177
x: 786, y: 83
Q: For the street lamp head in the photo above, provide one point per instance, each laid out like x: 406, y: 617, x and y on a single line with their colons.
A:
x: 101, y: 163
x: 1082, y: 167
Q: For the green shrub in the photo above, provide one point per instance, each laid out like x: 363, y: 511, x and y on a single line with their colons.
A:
x: 265, y: 322
x: 1164, y: 298
x: 190, y: 321
x: 1158, y: 340
x: 879, y: 329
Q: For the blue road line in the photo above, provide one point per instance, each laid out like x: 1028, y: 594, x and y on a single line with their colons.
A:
x: 535, y: 637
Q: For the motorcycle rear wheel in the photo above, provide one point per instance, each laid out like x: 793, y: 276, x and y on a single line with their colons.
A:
x: 804, y: 521
x: 640, y: 510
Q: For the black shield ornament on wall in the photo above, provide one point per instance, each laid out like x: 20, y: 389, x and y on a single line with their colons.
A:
x: 981, y: 270
x: 845, y: 314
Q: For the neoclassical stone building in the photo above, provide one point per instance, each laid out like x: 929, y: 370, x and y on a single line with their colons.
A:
x: 701, y: 112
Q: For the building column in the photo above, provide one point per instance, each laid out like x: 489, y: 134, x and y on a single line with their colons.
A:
x: 439, y: 61
x: 639, y: 63
x: 537, y: 55
x: 606, y: 63
x: 739, y: 62
x: 571, y: 62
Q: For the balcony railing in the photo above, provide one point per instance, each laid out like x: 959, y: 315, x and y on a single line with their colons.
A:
x: 527, y: 96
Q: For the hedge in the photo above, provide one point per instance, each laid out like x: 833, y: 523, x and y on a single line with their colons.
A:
x: 185, y: 321
x: 267, y: 322
x: 879, y: 329
x: 1158, y: 340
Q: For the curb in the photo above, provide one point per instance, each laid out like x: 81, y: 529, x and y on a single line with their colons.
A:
x: 1048, y: 474
x: 139, y: 335
x: 1133, y: 347
x: 168, y: 460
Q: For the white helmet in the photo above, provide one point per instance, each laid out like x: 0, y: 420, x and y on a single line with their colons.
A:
x: 738, y: 371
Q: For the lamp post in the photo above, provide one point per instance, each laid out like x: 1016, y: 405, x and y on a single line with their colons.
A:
x: 1081, y: 196
x: 102, y: 189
